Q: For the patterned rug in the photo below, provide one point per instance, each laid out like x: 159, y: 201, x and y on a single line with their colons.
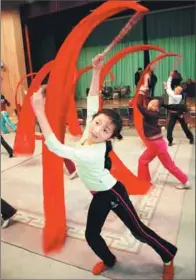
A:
x: 160, y: 209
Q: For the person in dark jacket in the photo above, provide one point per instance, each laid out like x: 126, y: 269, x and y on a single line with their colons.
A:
x: 138, y: 75
x: 7, y: 147
x: 152, y: 83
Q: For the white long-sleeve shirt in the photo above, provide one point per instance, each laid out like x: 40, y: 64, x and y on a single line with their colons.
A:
x: 89, y: 159
x: 173, y: 98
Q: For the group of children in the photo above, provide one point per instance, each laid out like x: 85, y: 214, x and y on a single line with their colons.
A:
x: 93, y: 167
x: 157, y: 147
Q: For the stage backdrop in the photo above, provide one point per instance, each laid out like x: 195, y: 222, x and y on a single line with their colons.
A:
x: 172, y: 30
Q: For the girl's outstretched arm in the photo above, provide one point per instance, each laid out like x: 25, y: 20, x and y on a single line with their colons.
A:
x: 93, y: 95
x: 52, y: 143
x: 97, y: 63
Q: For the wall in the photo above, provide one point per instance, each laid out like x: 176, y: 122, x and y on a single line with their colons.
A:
x: 12, y: 54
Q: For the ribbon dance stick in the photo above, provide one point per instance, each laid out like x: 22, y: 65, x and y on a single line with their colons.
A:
x: 130, y: 24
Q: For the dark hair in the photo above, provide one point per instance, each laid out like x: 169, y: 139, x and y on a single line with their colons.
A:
x: 116, y: 120
x: 139, y: 69
x: 109, y: 148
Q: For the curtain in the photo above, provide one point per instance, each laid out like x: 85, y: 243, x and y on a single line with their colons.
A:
x: 123, y: 71
x: 172, y: 30
x: 99, y: 39
x: 175, y: 32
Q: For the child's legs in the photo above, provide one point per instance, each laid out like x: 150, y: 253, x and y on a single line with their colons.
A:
x: 170, y: 127
x: 169, y: 164
x: 6, y: 146
x: 7, y: 210
x: 124, y: 209
x: 97, y: 213
x: 8, y: 121
x: 69, y: 165
x: 143, y: 165
x: 185, y: 128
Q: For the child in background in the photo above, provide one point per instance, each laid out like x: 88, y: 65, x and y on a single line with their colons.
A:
x: 7, y: 147
x: 157, y: 145
x: 93, y: 165
x: 175, y: 97
x: 5, y: 119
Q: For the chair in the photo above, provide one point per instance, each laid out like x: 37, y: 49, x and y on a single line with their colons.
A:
x: 163, y: 117
x: 124, y: 113
x: 125, y: 91
x: 80, y: 116
x: 130, y: 112
x: 116, y: 110
x: 84, y: 112
x: 107, y: 93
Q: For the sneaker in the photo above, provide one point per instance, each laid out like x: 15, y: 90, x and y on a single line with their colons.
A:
x: 168, y: 271
x: 99, y: 268
x: 4, y: 223
x: 186, y: 186
x: 170, y: 144
x: 73, y: 175
x: 11, y: 155
x: 191, y: 141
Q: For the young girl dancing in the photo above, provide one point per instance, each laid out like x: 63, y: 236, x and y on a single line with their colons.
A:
x: 93, y: 164
x: 157, y: 145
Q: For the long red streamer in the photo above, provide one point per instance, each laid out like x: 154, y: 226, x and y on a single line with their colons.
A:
x: 138, y: 118
x: 60, y: 82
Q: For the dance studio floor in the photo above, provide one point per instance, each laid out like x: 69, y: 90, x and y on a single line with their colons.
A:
x: 168, y: 211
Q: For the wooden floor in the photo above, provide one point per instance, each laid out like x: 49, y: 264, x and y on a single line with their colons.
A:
x: 127, y: 114
x: 114, y: 103
x: 117, y: 103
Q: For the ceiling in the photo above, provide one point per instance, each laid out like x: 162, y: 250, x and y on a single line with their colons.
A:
x: 92, y: 4
x: 7, y: 4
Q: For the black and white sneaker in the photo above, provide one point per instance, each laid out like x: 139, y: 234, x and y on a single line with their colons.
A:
x: 73, y: 175
x: 4, y: 223
x: 186, y: 186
